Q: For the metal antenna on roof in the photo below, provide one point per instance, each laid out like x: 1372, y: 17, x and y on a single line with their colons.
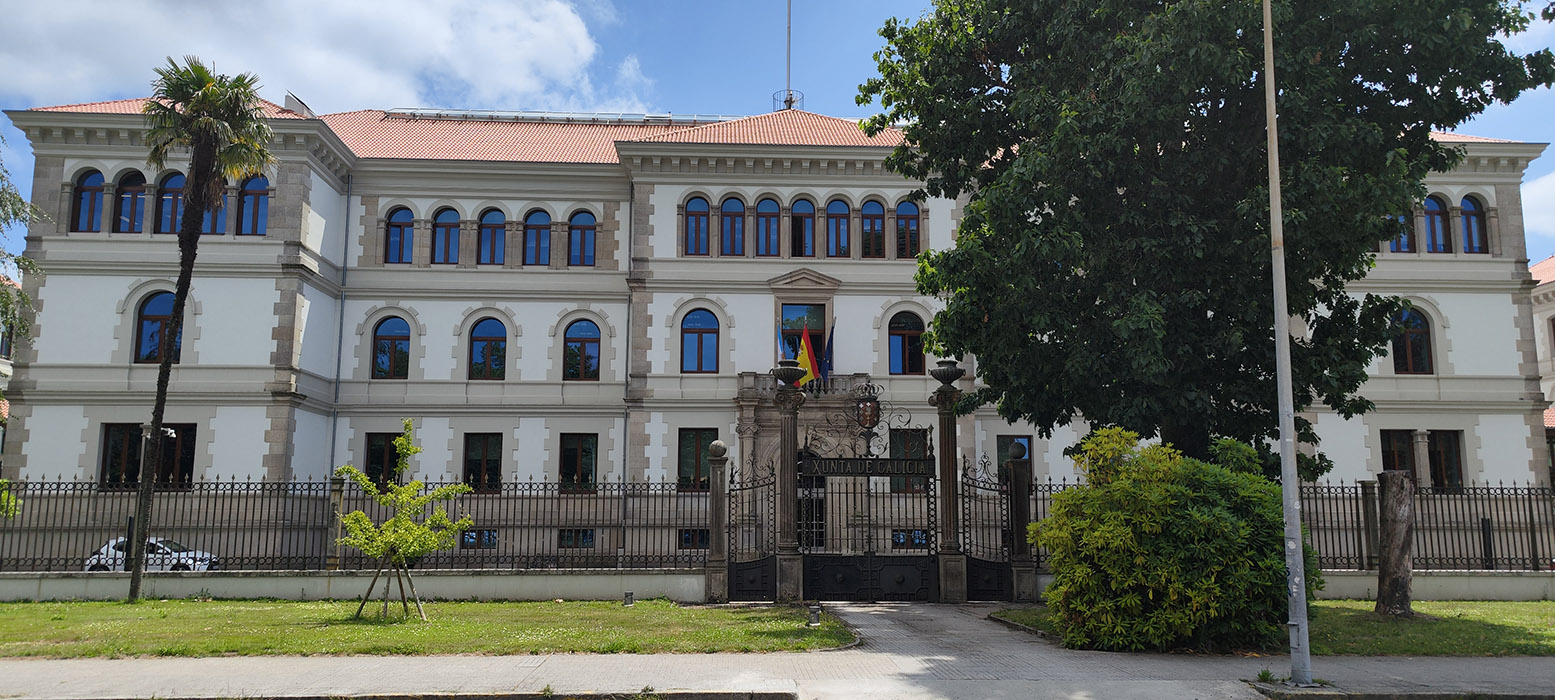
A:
x: 787, y: 97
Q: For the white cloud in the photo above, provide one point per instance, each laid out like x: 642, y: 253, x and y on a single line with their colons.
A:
x: 338, y: 55
x: 1539, y: 206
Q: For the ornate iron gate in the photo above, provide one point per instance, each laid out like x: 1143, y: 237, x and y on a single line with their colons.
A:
x: 986, y: 533
x: 753, y: 532
x: 867, y: 529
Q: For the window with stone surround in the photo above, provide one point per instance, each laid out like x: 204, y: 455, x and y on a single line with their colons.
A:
x: 488, y: 350
x: 399, y: 237
x: 170, y: 204
x: 1437, y: 239
x: 120, y: 467
x: 1398, y: 452
x: 391, y: 349
x: 1473, y: 225
x: 732, y: 227
x: 381, y: 458
x: 87, y: 214
x: 130, y: 208
x: 692, y: 454
x: 580, y: 240
x: 580, y: 355
x: 537, y: 238
x: 906, y: 339
x: 483, y: 461
x: 907, y: 244
x: 837, y: 243
x: 802, y: 229
x: 699, y: 343
x: 872, y: 229
x: 1404, y: 240
x: 767, y: 236
x: 1412, y: 346
x: 909, y: 443
x: 579, y: 458
x: 492, y: 239
x: 696, y: 226
x: 254, y: 206
x: 152, y: 322
x: 445, y: 237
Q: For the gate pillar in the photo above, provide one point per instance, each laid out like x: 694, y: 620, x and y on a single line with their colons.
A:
x: 717, y: 572
x: 790, y: 565
x: 1022, y: 567
x: 952, y: 562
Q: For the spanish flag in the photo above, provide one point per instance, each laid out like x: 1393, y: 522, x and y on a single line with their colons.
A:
x: 806, y: 357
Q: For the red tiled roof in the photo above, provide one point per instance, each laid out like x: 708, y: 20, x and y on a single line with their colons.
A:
x: 271, y: 109
x: 1543, y: 271
x: 1449, y: 137
x: 1549, y: 417
x: 372, y: 134
x: 789, y: 127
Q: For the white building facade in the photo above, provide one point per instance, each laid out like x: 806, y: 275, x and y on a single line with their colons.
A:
x: 590, y: 297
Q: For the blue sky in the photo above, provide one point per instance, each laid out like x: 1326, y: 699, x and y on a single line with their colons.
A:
x: 683, y: 56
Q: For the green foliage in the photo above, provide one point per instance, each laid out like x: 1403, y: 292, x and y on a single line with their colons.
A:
x: 403, y: 537
x: 1159, y: 551
x: 10, y: 505
x: 15, y: 210
x: 1113, y: 259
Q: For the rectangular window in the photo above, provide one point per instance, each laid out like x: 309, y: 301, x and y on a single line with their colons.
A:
x: 478, y: 539
x: 914, y: 538
x: 909, y: 443
x: 575, y: 538
x: 121, y: 455
x: 537, y: 244
x: 578, y: 461
x: 1445, y: 450
x: 483, y: 461
x: 693, y: 538
x: 798, y: 317
x: 492, y: 243
x: 767, y: 232
x: 581, y: 246
x: 381, y: 457
x: 1398, y: 451
x: 694, y: 444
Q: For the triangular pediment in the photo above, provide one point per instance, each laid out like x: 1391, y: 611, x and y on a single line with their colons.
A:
x: 804, y: 279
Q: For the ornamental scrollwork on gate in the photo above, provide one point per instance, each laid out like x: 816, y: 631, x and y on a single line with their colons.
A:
x: 863, y: 427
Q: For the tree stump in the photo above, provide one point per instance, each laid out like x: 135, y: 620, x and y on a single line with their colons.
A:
x: 1396, y: 544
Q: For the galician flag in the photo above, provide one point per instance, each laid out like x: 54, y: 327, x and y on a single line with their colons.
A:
x: 806, y: 357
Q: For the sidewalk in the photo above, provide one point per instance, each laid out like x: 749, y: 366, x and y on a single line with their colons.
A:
x: 907, y: 651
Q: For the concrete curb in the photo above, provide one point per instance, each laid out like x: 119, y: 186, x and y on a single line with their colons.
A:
x: 1026, y: 628
x: 1280, y: 692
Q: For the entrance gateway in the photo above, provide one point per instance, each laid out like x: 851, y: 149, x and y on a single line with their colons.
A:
x: 864, y: 515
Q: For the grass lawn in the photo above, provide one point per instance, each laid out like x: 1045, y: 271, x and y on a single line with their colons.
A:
x: 1452, y: 628
x: 223, y: 627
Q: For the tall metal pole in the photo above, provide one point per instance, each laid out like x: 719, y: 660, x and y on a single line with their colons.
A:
x: 1290, y: 487
x: 788, y: 61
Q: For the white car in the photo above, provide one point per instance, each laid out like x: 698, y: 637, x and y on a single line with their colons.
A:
x: 161, y: 555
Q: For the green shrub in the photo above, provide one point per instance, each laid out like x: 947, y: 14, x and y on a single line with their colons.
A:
x: 1159, y: 551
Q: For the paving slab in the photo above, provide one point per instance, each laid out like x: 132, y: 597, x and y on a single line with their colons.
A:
x: 908, y: 651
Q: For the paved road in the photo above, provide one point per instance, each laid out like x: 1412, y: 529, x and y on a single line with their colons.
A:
x: 908, y: 651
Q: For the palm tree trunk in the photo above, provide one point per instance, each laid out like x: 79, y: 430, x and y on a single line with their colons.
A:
x: 196, y: 200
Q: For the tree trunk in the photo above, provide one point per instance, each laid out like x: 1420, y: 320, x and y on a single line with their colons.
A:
x: 1191, y: 439
x: 196, y: 199
x: 1396, y: 547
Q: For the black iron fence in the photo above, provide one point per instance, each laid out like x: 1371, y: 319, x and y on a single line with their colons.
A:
x: 252, y: 525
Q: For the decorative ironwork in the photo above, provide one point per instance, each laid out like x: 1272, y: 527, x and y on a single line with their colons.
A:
x: 987, y: 534
x: 752, y: 530
x: 862, y: 429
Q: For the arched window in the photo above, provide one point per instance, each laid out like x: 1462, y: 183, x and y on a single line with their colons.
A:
x: 837, y: 229
x: 131, y: 205
x: 906, y: 230
x: 1404, y: 240
x: 170, y: 204
x: 906, y: 331
x: 537, y: 238
x: 445, y: 237
x: 696, y: 226
x: 391, y: 349
x: 580, y: 359
x: 152, y: 323
x: 1436, y: 238
x: 399, y: 237
x: 493, y: 238
x: 1412, y: 345
x: 802, y: 230
x: 767, y: 245
x: 254, y: 206
x: 88, y: 214
x: 580, y: 239
x: 699, y: 343
x: 732, y: 217
x: 872, y: 225
x: 488, y: 350
x: 1473, y: 226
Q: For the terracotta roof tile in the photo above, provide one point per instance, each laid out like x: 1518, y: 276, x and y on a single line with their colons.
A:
x: 1549, y: 417
x: 1449, y: 137
x: 789, y: 127
x: 271, y: 109
x: 373, y: 134
x: 1543, y: 271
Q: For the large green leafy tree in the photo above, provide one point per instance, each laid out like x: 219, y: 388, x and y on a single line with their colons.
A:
x: 1113, y: 260
x: 218, y: 122
x: 14, y: 210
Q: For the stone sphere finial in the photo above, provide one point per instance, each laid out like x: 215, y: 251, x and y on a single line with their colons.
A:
x: 1017, y: 451
x: 717, y: 449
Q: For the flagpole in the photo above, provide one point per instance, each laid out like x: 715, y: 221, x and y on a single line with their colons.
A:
x: 1295, y: 568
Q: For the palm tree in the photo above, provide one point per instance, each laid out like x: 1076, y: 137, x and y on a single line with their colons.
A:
x: 218, y: 120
